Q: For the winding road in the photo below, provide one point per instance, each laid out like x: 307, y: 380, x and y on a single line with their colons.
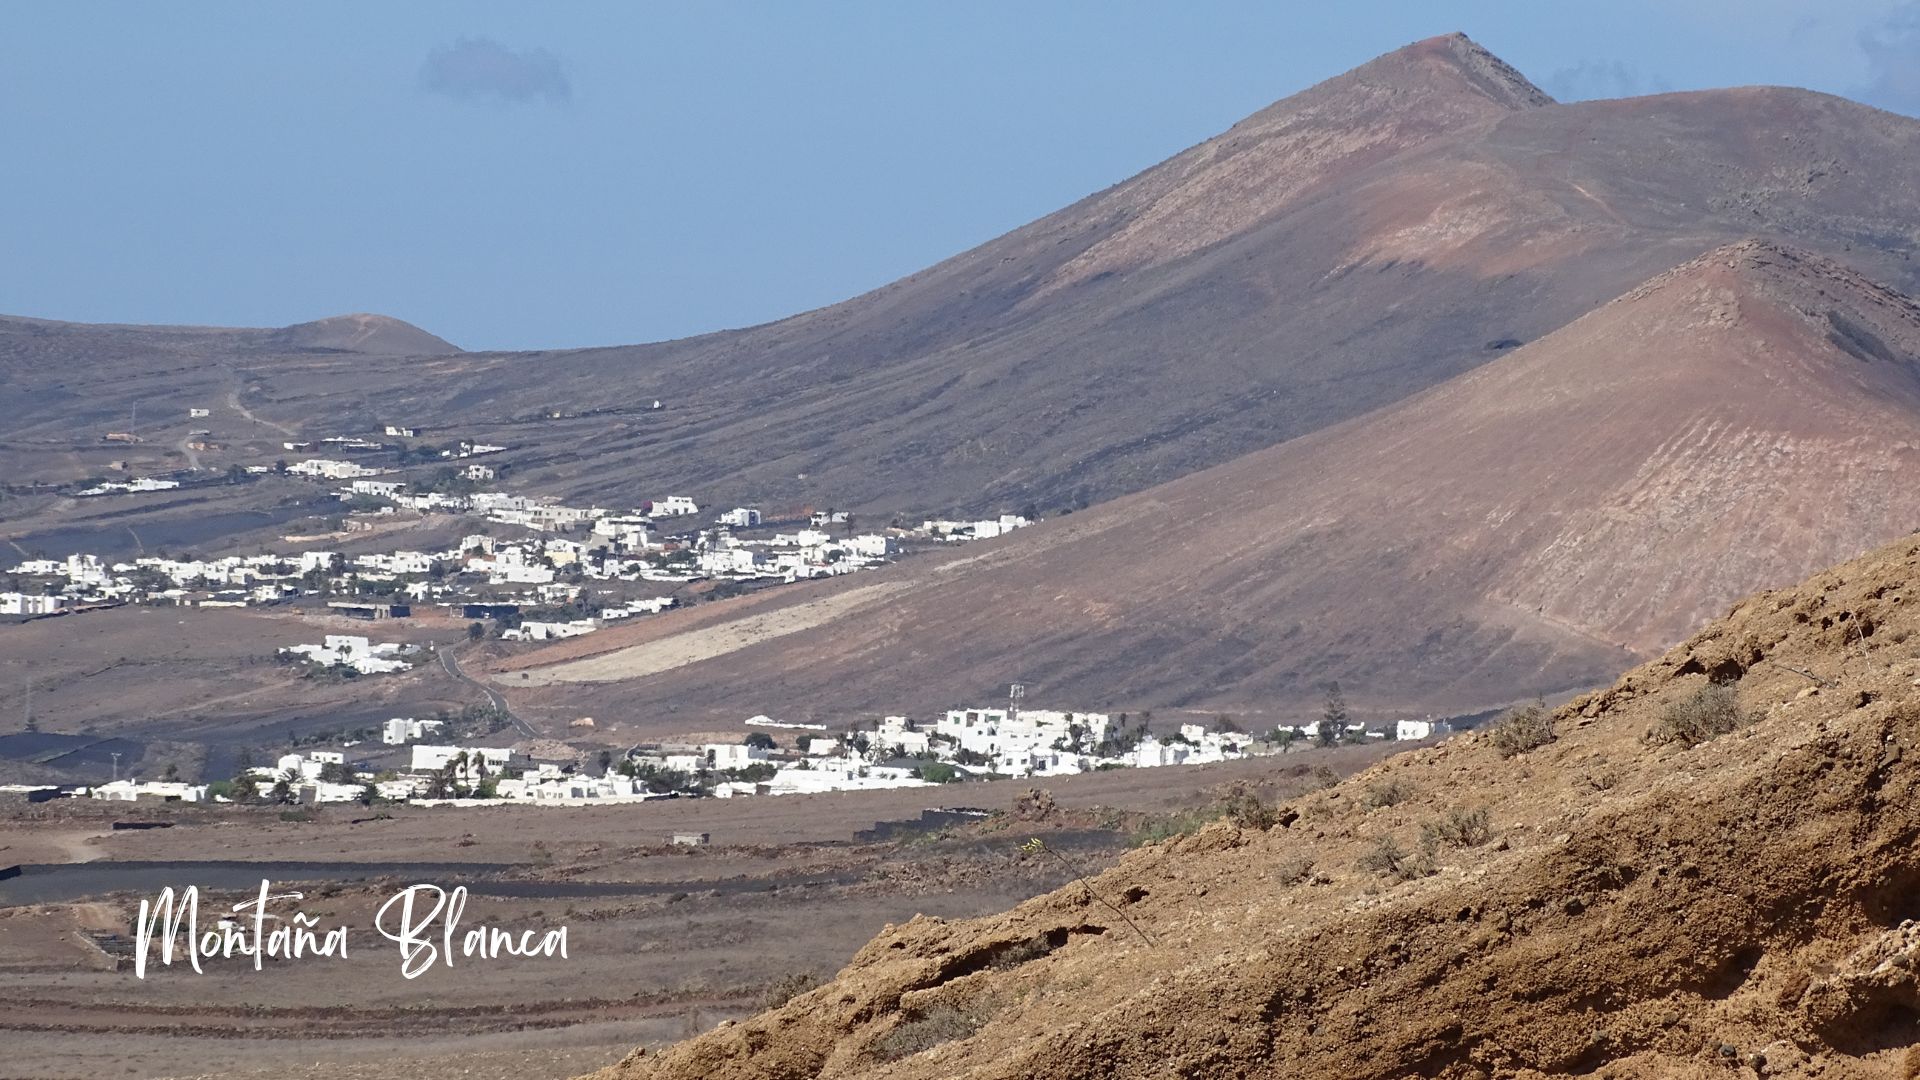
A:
x: 233, y: 402
x: 493, y: 696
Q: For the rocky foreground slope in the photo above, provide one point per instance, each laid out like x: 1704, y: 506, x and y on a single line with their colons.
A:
x: 1709, y: 870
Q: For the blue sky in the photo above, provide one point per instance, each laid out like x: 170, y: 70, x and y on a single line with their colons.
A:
x: 521, y: 176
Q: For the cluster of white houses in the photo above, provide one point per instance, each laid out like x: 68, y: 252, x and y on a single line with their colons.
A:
x: 362, y: 655
x: 543, y: 567
x: 895, y: 752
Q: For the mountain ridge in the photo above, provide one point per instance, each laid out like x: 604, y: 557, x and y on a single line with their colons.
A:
x: 1525, y: 528
x: 1334, y: 253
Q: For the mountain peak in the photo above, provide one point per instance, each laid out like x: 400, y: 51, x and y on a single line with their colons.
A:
x: 1458, y: 58
x: 362, y: 332
x: 1296, y: 146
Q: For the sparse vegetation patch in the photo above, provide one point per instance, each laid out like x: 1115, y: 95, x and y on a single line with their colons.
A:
x: 1710, y: 711
x: 1528, y: 727
x: 937, y: 1024
x: 1460, y: 828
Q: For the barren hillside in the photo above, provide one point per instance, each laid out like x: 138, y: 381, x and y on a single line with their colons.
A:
x: 1350, y: 245
x: 1708, y: 870
x: 1530, y: 527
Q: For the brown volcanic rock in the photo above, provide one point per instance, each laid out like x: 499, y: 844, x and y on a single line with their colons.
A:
x: 1525, y: 528
x: 1639, y: 909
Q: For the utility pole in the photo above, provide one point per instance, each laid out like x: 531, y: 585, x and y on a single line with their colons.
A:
x: 116, y: 765
x: 1015, y: 692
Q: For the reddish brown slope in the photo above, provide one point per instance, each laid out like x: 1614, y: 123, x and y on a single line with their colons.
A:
x: 1525, y: 528
x: 1627, y: 908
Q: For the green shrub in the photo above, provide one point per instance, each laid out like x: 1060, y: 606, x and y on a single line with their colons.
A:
x: 1519, y: 730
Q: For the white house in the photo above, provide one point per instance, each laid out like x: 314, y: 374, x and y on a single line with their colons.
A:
x: 550, y: 631
x: 405, y: 729
x: 733, y: 755
x: 132, y: 790
x: 730, y: 560
x: 330, y: 470
x: 872, y: 545
x: 741, y: 517
x: 433, y: 758
x: 13, y: 603
x: 356, y: 652
x: 379, y: 488
x: 1416, y: 729
x: 675, y: 506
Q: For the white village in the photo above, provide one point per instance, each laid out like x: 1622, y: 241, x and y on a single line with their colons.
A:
x: 894, y: 752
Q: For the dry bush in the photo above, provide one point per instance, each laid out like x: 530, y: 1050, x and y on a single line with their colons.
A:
x: 1163, y: 827
x: 1460, y: 828
x: 1242, y: 806
x: 1012, y: 955
x: 786, y: 988
x: 1386, y: 793
x: 1238, y: 804
x: 936, y: 1024
x: 1519, y: 730
x: 1388, y: 860
x: 1036, y: 805
x: 1711, y: 710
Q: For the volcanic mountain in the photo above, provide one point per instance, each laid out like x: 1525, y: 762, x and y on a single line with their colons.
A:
x: 1357, y: 242
x: 1362, y: 240
x: 1528, y: 527
x: 1706, y: 870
